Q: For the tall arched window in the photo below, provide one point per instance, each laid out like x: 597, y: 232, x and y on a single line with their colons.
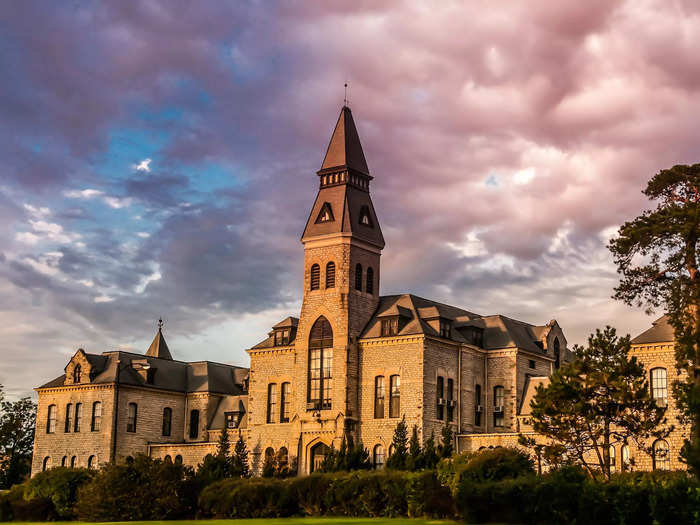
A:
x: 379, y: 397
x: 96, y: 416
x: 64, y: 461
x: 557, y: 353
x: 625, y: 463
x: 394, y: 396
x: 358, y: 277
x: 369, y: 286
x: 77, y: 374
x: 330, y: 275
x: 320, y: 365
x: 69, y: 418
x: 46, y: 464
x: 282, y: 458
x: 659, y: 386
x: 92, y: 462
x: 74, y: 462
x: 178, y: 459
x: 661, y: 456
x: 285, y: 402
x: 272, y: 403
x: 167, y: 421
x: 51, y: 420
x: 131, y: 415
x: 315, y: 277
x: 498, y: 406
x: 194, y: 424
x: 78, y: 416
x: 613, y: 462
x: 167, y: 459
x: 378, y: 457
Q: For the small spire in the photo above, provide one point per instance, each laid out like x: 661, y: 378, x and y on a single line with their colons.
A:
x: 345, y: 99
x: 160, y: 324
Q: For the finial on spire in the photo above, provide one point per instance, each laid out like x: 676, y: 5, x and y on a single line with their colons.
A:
x: 345, y: 99
x: 160, y: 323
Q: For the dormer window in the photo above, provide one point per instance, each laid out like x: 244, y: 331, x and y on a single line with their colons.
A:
x: 365, y: 217
x: 390, y: 326
x: 282, y: 337
x: 233, y: 419
x: 445, y: 329
x: 77, y: 373
x: 326, y: 214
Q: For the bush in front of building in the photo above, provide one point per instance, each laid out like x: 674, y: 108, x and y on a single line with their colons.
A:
x: 13, y: 506
x: 144, y: 489
x: 60, y: 485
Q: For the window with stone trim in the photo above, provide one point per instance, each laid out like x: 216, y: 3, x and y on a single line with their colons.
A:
x: 440, y: 398
x: 78, y: 417
x: 167, y: 421
x: 46, y: 464
x: 390, y: 326
x: 378, y: 457
x: 69, y: 418
x: 96, y: 422
x: 132, y: 414
x: 320, y: 376
x: 282, y: 337
x: 379, y: 396
x: 661, y: 455
x: 315, y: 277
x: 450, y: 399
x: 272, y: 403
x: 498, y: 406
x: 477, y: 405
x: 659, y: 386
x: 395, y: 396
x: 330, y: 275
x: 369, y: 285
x: 51, y: 420
x: 77, y: 374
x: 285, y: 402
x: 358, y: 277
x: 194, y: 424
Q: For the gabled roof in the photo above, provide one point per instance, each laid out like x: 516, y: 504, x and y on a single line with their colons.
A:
x: 660, y: 332
x: 344, y: 149
x: 287, y: 322
x: 269, y: 341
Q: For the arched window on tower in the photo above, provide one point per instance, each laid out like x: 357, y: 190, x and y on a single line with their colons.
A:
x: 315, y: 277
x: 330, y: 275
x: 369, y: 287
x: 77, y: 373
x: 358, y: 277
x: 320, y: 365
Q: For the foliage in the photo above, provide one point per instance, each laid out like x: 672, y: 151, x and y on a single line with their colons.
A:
x: 59, y: 485
x: 657, y: 256
x: 350, y: 456
x: 447, y: 441
x: 14, y: 506
x: 599, y: 400
x: 17, y: 420
x: 145, y: 489
x: 373, y: 494
x: 240, y: 457
x: 399, y: 456
x: 415, y: 458
x: 485, y: 465
x: 430, y: 456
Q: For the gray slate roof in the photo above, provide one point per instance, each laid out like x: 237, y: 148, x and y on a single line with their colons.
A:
x: 660, y: 332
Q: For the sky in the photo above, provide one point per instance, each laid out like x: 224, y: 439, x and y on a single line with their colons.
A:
x: 159, y: 159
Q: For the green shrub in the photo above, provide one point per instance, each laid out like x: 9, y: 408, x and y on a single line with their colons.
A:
x: 145, y: 489
x: 497, y: 464
x: 60, y: 485
x: 14, y: 506
x: 248, y: 498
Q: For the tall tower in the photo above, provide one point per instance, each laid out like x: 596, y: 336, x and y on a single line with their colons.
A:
x: 342, y: 247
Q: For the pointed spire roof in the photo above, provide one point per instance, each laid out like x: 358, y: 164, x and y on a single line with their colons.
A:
x: 344, y: 149
x: 159, y: 348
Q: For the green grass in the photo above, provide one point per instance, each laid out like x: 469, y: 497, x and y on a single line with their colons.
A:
x: 285, y: 521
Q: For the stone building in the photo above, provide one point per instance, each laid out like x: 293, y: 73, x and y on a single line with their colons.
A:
x: 352, y: 364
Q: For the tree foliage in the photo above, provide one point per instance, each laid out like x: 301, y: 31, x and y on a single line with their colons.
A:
x: 17, y: 421
x: 240, y: 457
x: 399, y: 447
x: 350, y: 456
x: 447, y: 441
x: 657, y: 256
x: 600, y: 399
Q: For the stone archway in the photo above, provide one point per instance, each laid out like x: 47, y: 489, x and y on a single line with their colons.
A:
x: 317, y: 454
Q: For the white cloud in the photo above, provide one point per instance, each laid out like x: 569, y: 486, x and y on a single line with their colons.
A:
x: 103, y: 299
x: 88, y: 193
x: 27, y: 238
x: 144, y: 165
x: 86, y: 282
x: 471, y: 247
x: 117, y: 203
x: 143, y: 235
x: 524, y: 176
x: 155, y: 276
x: 46, y: 263
x: 37, y: 212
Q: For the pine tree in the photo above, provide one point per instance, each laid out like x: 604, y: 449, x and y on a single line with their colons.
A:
x: 415, y: 454
x: 223, y: 448
x: 398, y: 458
x: 447, y: 444
x: 430, y: 457
x: 240, y: 458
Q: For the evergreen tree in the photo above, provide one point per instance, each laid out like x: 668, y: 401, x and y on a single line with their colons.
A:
x: 223, y: 448
x: 358, y: 456
x: 447, y: 443
x: 398, y: 458
x: 658, y: 256
x: 415, y: 454
x: 240, y: 458
x: 430, y: 457
x: 17, y: 420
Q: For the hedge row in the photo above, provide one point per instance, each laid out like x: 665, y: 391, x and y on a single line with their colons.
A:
x: 372, y: 494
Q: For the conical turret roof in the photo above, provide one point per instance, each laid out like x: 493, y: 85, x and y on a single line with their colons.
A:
x: 159, y: 348
x: 344, y: 149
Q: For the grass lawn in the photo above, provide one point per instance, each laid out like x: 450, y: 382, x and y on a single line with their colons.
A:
x: 291, y: 521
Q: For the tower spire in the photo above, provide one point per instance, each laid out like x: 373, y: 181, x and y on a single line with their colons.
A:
x: 159, y: 348
x: 344, y: 149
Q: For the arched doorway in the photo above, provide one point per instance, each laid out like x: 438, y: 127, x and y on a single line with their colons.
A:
x: 318, y: 454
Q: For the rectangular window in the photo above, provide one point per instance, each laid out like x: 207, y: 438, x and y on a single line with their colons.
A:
x: 450, y: 399
x: 498, y: 408
x: 532, y: 364
x: 78, y: 416
x: 327, y: 379
x: 440, y: 398
x: 281, y: 337
x: 167, y: 421
x: 395, y: 396
x: 379, y: 397
x: 286, y: 403
x: 194, y: 424
x: 659, y: 386
x: 272, y: 403
x: 477, y: 405
x: 315, y: 376
x: 445, y: 329
x: 131, y: 417
x: 51, y: 420
x: 390, y: 326
x: 96, y: 416
x: 69, y: 418
x: 232, y: 419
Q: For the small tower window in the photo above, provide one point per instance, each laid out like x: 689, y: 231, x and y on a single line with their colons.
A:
x: 369, y: 287
x: 358, y: 277
x: 315, y: 277
x: 326, y: 214
x: 77, y: 373
x: 365, y: 217
x: 330, y: 275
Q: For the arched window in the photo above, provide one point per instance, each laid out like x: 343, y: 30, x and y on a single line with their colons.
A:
x: 661, y: 456
x: 358, y: 277
x: 315, y: 276
x: 477, y: 405
x: 440, y: 411
x: 78, y: 416
x: 92, y: 462
x: 379, y: 397
x: 46, y: 464
x: 74, y: 461
x: 659, y: 386
x: 167, y: 421
x: 378, y: 457
x: 194, y: 424
x: 132, y: 414
x: 285, y: 402
x: 394, y: 396
x: 178, y: 459
x: 269, y: 456
x: 557, y: 353
x: 167, y: 459
x: 272, y: 403
x: 96, y: 416
x: 498, y: 406
x: 77, y: 374
x: 320, y: 365
x: 613, y: 462
x: 64, y: 461
x: 625, y: 463
x: 282, y: 457
x: 330, y: 275
x: 369, y: 286
x: 51, y: 420
x: 69, y: 418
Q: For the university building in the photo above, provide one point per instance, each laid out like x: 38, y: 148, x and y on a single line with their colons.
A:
x: 353, y: 363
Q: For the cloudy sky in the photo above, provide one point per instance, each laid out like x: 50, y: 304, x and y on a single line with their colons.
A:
x: 159, y: 158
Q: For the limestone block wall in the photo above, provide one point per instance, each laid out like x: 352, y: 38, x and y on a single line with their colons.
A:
x: 501, y: 371
x: 473, y: 368
x: 440, y: 359
x: 192, y: 454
